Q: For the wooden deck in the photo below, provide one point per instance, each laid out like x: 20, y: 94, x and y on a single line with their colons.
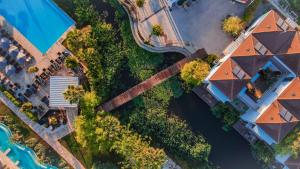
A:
x: 149, y: 83
x: 202, y: 92
x: 5, y: 161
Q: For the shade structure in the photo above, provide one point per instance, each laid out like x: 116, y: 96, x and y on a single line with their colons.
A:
x: 21, y: 58
x: 4, y: 43
x: 3, y: 63
x: 13, y: 52
x: 9, y: 70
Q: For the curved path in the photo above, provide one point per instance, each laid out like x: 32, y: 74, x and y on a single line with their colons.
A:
x: 134, y: 24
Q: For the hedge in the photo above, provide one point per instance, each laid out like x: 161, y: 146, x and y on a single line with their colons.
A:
x: 12, y: 98
x: 250, y: 11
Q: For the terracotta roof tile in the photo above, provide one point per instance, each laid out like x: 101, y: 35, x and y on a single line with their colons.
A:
x: 246, y: 48
x: 277, y: 42
x: 251, y: 64
x: 226, y: 81
x: 273, y: 124
x: 292, y: 61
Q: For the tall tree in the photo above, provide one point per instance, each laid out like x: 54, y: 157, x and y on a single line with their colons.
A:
x: 194, y: 72
x: 73, y: 93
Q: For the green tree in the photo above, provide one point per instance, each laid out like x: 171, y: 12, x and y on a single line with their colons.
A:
x: 73, y: 93
x: 32, y: 69
x: 211, y: 59
x: 157, y: 30
x: 104, y: 134
x: 106, y: 165
x: 290, y: 144
x: 227, y: 113
x: 140, y: 3
x: 263, y: 153
x: 71, y: 62
x: 233, y: 25
x: 194, y: 72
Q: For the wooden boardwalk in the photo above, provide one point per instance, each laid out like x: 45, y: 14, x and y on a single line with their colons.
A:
x: 149, y: 83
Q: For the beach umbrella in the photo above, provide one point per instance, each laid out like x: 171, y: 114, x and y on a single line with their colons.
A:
x: 4, y: 43
x: 21, y: 58
x: 9, y: 70
x: 13, y: 52
x: 3, y: 63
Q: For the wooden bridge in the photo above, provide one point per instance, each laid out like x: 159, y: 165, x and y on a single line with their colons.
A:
x: 149, y: 83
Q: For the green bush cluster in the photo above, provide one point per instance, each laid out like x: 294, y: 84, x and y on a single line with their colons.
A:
x: 263, y: 153
x: 12, y: 98
x: 250, y: 11
x: 227, y: 113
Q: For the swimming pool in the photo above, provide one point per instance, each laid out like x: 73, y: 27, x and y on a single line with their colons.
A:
x: 26, y: 157
x: 42, y: 22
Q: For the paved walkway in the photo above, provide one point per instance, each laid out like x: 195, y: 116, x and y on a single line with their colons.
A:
x: 138, y: 34
x: 149, y: 83
x: 46, y: 135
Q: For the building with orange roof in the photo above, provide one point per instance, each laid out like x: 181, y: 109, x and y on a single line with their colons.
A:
x: 261, y: 71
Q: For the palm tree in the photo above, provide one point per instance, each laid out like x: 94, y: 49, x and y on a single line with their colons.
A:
x: 73, y: 93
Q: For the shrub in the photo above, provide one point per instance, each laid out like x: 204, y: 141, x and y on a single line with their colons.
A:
x: 194, y: 72
x: 227, y: 113
x: 12, y: 98
x: 250, y: 11
x: 157, y: 30
x: 263, y: 153
x: 211, y: 59
x: 233, y: 25
x: 26, y: 109
x: 71, y: 62
x: 32, y: 69
x: 140, y: 3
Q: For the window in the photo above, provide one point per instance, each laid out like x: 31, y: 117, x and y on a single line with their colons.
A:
x: 283, y: 25
x: 238, y: 72
x: 260, y: 48
x: 287, y: 116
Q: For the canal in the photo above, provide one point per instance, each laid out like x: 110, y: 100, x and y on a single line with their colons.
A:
x: 229, y: 149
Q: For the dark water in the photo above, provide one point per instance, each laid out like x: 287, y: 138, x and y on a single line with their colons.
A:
x: 229, y: 149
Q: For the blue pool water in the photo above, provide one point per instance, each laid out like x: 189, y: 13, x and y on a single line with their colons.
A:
x: 26, y: 157
x: 42, y: 22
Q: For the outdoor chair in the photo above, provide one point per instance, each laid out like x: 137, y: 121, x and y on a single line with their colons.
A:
x: 51, y: 70
x: 58, y: 61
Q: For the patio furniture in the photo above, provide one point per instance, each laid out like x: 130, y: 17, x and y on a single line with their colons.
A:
x: 28, y: 93
x: 3, y: 63
x: 21, y: 58
x: 58, y: 61
x: 13, y: 52
x: 9, y: 70
x: 45, y: 100
x: 51, y: 70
